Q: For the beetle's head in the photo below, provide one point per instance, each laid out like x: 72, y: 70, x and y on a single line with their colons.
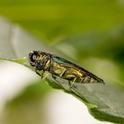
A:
x: 36, y: 59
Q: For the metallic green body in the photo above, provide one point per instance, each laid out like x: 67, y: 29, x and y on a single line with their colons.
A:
x: 60, y: 67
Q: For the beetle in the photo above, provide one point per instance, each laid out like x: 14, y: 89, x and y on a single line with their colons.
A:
x: 62, y: 68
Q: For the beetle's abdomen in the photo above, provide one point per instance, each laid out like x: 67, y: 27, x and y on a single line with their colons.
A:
x: 71, y: 74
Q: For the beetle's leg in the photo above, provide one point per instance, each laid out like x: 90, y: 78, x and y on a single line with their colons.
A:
x: 71, y: 83
x: 82, y: 80
x: 37, y: 72
x: 40, y: 74
x: 54, y: 77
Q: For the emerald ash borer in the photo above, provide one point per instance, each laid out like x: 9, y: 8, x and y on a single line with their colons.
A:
x: 62, y: 68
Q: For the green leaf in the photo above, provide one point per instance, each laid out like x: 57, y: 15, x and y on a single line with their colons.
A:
x: 105, y: 102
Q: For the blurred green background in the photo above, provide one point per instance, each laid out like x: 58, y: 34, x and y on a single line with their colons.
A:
x: 51, y: 19
x: 91, y: 32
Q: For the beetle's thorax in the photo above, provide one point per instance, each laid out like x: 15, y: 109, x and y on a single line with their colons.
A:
x: 46, y: 62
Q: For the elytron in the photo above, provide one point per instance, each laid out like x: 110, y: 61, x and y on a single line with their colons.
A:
x: 62, y: 68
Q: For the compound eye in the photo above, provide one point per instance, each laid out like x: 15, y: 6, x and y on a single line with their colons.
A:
x: 33, y: 55
x: 33, y: 58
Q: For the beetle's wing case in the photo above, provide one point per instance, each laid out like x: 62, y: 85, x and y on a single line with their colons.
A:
x: 89, y: 75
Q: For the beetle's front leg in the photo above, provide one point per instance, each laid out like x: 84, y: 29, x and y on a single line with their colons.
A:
x: 37, y: 72
x: 40, y: 74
